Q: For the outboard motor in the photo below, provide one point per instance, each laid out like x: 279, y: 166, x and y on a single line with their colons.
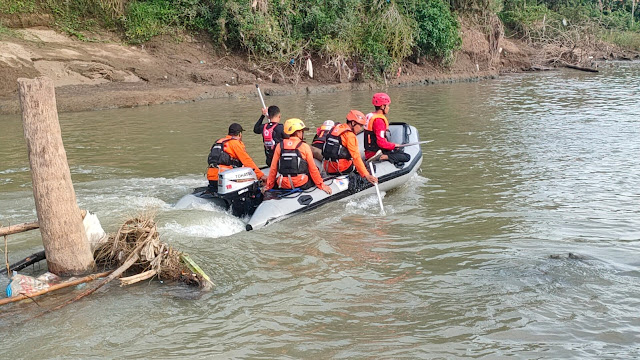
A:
x: 240, y: 188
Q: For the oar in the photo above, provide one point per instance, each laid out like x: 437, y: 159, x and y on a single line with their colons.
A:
x: 264, y: 106
x: 414, y: 143
x: 377, y: 191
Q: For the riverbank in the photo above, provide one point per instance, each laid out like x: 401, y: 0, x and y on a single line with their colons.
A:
x: 108, y: 74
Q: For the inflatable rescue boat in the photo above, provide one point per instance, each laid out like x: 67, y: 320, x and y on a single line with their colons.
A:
x: 239, y: 191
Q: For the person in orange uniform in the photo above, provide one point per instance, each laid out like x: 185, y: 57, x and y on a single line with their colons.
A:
x: 375, y: 133
x: 341, y: 152
x: 227, y: 153
x: 321, y: 136
x: 293, y: 165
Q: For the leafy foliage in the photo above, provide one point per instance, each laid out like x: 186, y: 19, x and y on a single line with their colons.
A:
x: 437, y: 33
x: 374, y: 36
x: 17, y: 6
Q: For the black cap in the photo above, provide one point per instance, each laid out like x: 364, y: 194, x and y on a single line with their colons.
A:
x: 235, y: 129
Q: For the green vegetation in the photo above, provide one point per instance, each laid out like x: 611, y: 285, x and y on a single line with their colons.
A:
x: 377, y: 35
x: 540, y: 19
x: 17, y: 6
x: 143, y: 20
x: 373, y: 36
x: 625, y: 39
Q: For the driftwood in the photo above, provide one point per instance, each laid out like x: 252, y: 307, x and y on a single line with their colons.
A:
x: 139, y: 277
x: 31, y: 259
x: 540, y: 68
x: 576, y: 67
x: 14, y: 229
x: 54, y: 288
x: 127, y: 264
x: 136, y: 248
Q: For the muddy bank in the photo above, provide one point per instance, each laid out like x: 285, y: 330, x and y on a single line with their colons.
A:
x: 118, y: 95
x: 109, y: 74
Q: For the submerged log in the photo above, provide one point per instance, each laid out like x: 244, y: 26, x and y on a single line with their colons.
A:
x: 576, y: 67
x: 63, y: 235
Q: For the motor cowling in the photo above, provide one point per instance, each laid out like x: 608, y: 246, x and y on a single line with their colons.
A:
x: 236, y: 181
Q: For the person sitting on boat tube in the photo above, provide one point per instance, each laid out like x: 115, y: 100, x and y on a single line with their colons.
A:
x: 321, y: 136
x: 272, y: 132
x: 341, y: 152
x: 227, y: 153
x: 375, y: 133
x: 293, y: 162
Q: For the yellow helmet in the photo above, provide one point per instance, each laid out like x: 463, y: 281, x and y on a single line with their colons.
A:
x: 293, y: 125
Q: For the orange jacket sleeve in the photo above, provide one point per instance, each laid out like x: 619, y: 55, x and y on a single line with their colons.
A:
x: 350, y: 140
x: 241, y: 154
x: 273, y: 170
x: 305, y: 150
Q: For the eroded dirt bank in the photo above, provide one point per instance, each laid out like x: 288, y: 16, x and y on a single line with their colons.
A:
x: 109, y: 74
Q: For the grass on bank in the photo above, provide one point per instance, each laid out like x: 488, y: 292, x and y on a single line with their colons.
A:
x: 624, y: 39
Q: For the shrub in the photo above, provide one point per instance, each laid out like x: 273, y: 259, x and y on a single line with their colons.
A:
x: 437, y: 28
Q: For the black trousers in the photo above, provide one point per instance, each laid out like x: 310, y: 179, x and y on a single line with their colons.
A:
x: 397, y: 156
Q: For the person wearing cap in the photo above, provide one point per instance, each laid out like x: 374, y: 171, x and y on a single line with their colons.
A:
x: 321, y: 136
x: 227, y: 153
x: 293, y: 166
x: 375, y: 134
x: 272, y: 132
x: 341, y: 151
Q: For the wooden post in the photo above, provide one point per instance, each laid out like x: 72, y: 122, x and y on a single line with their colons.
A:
x: 63, y: 236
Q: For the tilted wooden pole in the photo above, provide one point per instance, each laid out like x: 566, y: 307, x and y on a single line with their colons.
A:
x: 63, y: 236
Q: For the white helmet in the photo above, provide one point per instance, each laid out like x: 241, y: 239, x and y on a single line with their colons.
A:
x: 327, y: 125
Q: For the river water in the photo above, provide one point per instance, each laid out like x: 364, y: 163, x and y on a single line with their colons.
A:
x: 471, y: 260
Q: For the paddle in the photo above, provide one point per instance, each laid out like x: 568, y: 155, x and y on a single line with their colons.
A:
x: 264, y: 106
x: 414, y: 143
x: 377, y: 191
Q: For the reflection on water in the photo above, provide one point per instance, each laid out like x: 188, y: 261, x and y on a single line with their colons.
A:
x: 521, y: 168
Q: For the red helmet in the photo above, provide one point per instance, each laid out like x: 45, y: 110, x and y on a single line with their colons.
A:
x: 380, y: 99
x: 357, y: 116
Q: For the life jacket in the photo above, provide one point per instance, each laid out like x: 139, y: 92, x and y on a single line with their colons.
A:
x: 333, y: 148
x: 267, y: 136
x: 217, y: 155
x: 321, y: 137
x: 370, y: 139
x: 291, y: 162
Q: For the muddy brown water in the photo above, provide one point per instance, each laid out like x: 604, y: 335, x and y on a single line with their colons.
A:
x: 471, y: 260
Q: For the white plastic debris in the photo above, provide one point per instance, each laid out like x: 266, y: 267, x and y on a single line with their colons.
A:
x: 95, y: 233
x: 310, y: 68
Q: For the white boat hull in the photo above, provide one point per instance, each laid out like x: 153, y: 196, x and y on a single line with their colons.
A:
x: 389, y: 177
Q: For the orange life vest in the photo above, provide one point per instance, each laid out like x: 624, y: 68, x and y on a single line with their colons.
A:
x: 293, y: 169
x: 370, y: 139
x: 220, y: 160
